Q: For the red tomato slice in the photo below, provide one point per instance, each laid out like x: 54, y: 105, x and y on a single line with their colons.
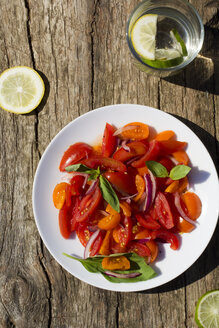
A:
x: 64, y: 222
x: 147, y: 222
x: 140, y: 249
x: 96, y: 245
x: 165, y: 161
x: 83, y: 233
x: 151, y: 154
x: 137, y: 148
x: 88, y: 205
x: 105, y: 163
x: 171, y: 146
x: 163, y: 210
x: 124, y: 183
x: 74, y: 154
x: 76, y: 185
x: 75, y: 208
x: 109, y: 141
x: 117, y: 248
x: 125, y: 233
x: 167, y: 236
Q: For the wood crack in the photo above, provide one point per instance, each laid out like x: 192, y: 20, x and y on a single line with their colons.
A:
x: 92, y: 51
x: 29, y: 38
x: 117, y: 312
x: 48, y: 282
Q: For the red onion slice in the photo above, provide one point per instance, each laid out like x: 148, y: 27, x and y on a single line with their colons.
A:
x: 122, y: 275
x: 128, y: 197
x: 142, y: 241
x: 90, y: 243
x: 92, y: 187
x: 125, y: 128
x: 173, y: 160
x: 147, y: 199
x: 180, y: 209
x: 125, y: 147
x: 154, y: 185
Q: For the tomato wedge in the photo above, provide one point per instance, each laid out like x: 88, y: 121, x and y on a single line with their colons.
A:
x: 74, y: 154
x: 64, y: 222
x: 59, y: 195
x: 88, y: 205
x: 137, y: 131
x: 171, y: 146
x: 163, y: 210
x: 151, y: 154
x: 96, y: 245
x: 76, y: 185
x: 124, y: 232
x: 166, y: 236
x: 147, y: 222
x: 105, y: 163
x: 124, y: 183
x: 109, y: 141
x: 140, y: 249
x: 83, y: 233
x: 137, y: 148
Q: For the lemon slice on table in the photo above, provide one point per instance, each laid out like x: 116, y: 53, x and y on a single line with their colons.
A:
x: 207, y: 310
x: 143, y: 36
x: 21, y: 89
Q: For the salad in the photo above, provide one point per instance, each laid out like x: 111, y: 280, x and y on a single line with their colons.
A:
x: 124, y: 197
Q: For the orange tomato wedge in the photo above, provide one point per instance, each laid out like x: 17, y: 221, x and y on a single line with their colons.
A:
x: 110, y: 210
x: 165, y: 135
x: 142, y: 170
x: 181, y: 156
x: 115, y: 263
x: 152, y: 245
x: 59, y: 195
x: 193, y: 204
x: 105, y: 246
x: 140, y: 131
x: 109, y: 222
x: 142, y: 234
x: 183, y: 183
x: 126, y: 208
x: 140, y: 186
x: 172, y: 187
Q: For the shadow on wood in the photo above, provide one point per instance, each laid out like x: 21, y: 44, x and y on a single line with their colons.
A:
x: 209, y: 259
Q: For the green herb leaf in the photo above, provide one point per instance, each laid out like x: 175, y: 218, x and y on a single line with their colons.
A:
x: 137, y: 264
x: 179, y: 172
x: 109, y: 194
x: 157, y: 169
x: 79, y: 168
x: 93, y: 176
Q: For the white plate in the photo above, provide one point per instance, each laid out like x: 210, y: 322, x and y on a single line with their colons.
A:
x: 88, y: 128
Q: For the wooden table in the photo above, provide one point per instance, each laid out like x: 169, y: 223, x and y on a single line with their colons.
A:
x: 79, y: 48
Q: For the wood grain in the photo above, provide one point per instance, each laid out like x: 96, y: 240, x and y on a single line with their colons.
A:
x: 79, y: 48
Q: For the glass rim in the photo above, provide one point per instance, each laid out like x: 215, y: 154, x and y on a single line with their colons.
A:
x: 167, y: 69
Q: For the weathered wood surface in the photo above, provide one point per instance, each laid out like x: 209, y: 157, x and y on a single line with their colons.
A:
x: 80, y: 47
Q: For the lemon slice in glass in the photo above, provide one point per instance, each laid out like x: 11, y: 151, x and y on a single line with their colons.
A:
x: 207, y: 310
x: 21, y: 89
x: 143, y: 36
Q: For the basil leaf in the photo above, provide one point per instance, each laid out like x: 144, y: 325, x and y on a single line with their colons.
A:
x: 179, y: 172
x: 157, y: 169
x: 93, y: 176
x: 109, y: 194
x: 79, y: 168
x: 137, y: 264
